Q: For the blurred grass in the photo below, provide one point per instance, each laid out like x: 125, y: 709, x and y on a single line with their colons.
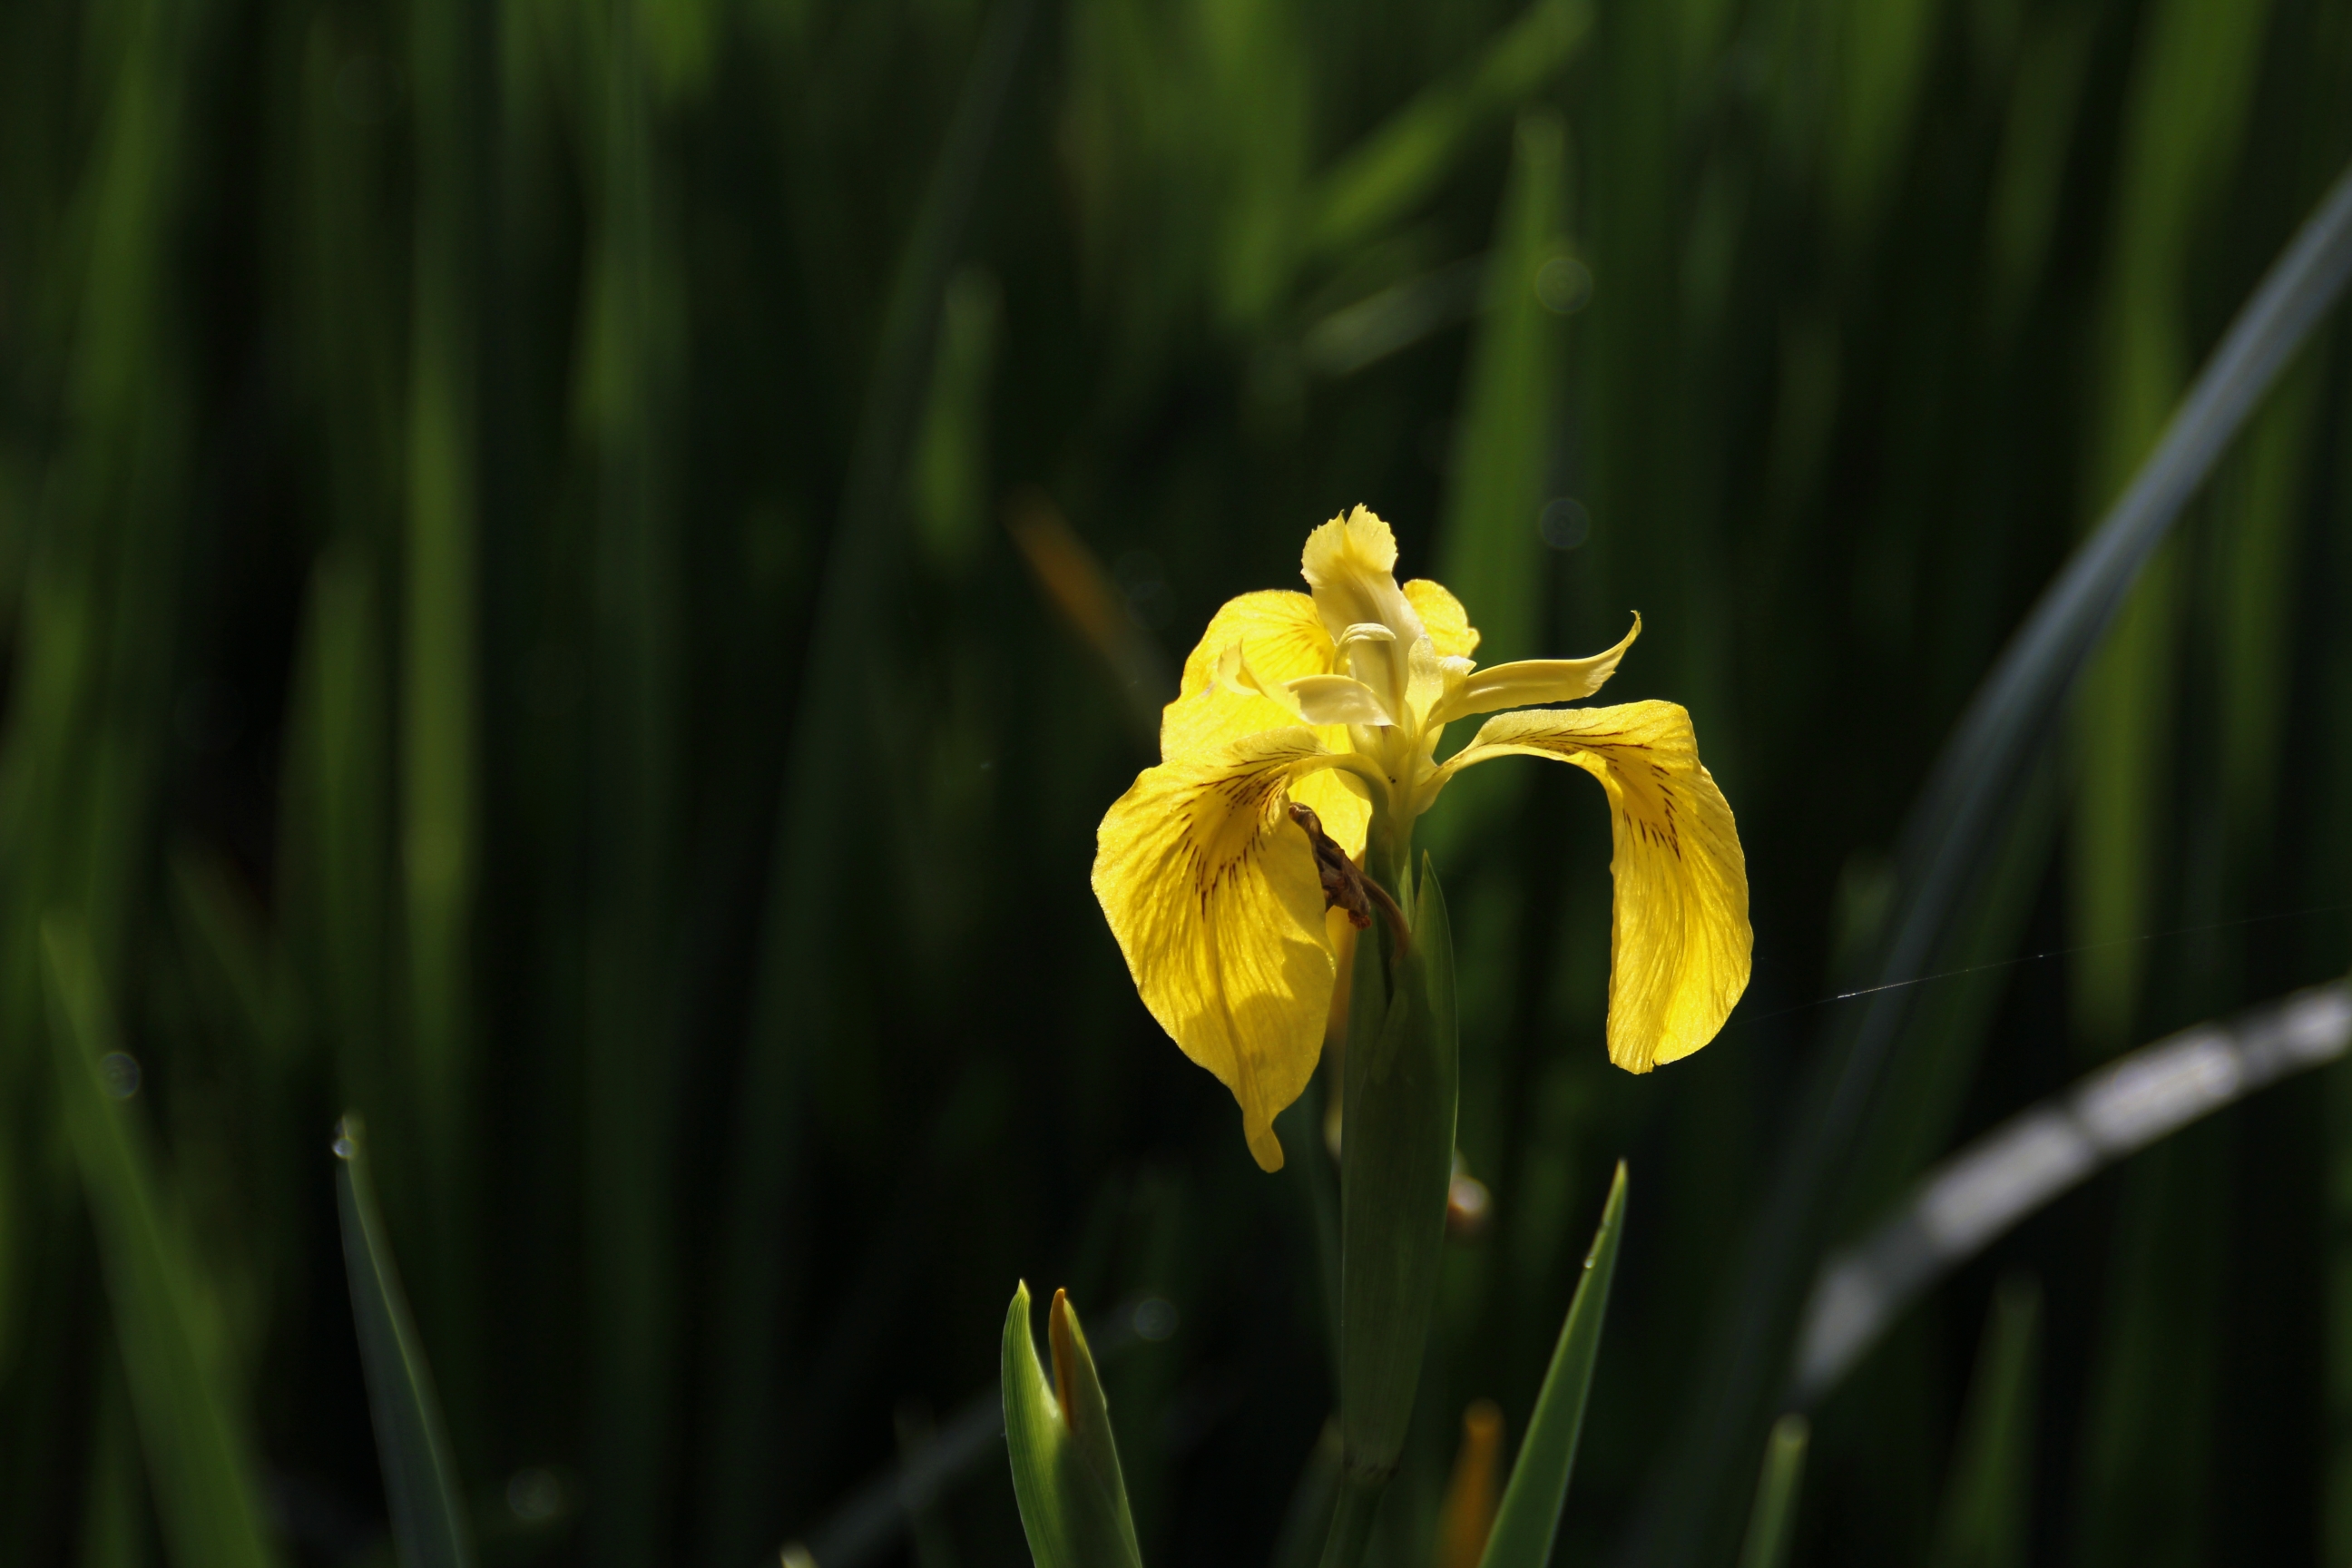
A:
x: 507, y: 624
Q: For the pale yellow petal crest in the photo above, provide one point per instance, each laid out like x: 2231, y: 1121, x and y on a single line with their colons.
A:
x: 1528, y: 683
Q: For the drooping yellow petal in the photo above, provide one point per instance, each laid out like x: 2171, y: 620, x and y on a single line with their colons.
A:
x: 1532, y: 681
x: 1679, y: 939
x: 1211, y: 892
x: 1442, y: 617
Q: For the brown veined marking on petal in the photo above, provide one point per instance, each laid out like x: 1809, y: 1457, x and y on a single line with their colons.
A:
x: 1269, y: 786
x: 1212, y: 871
x: 1653, y: 814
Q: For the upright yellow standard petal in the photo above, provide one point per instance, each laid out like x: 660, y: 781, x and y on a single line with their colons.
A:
x: 1285, y: 641
x: 1350, y: 564
x: 1442, y: 617
x: 1211, y: 892
x: 1679, y: 938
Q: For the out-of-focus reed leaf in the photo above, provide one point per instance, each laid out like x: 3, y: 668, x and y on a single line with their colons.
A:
x: 950, y: 484
x: 1402, y: 163
x: 1968, y: 795
x: 2255, y: 609
x: 1928, y: 1081
x: 1882, y: 54
x: 420, y: 1480
x: 197, y: 1456
x: 1772, y: 1522
x: 2191, y: 92
x: 1975, y: 1196
x: 1065, y: 1460
x: 2028, y: 176
x: 1366, y: 332
x: 1528, y: 1520
x: 632, y: 364
x: 1490, y: 551
x: 334, y: 867
x: 1987, y: 1512
x: 113, y: 1514
x: 438, y: 721
x: 789, y: 1015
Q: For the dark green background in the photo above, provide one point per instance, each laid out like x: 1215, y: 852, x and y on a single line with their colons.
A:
x: 510, y: 626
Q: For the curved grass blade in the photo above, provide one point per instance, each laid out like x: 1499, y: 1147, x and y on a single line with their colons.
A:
x: 1973, y: 1198
x: 1775, y: 1516
x: 1968, y: 798
x: 197, y: 1459
x: 1530, y: 1517
x: 420, y: 1483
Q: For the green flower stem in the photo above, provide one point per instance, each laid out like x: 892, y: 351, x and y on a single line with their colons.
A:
x: 1397, y: 1158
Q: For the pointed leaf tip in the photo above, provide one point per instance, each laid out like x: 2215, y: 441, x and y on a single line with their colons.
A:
x: 1057, y: 1434
x: 1529, y: 1516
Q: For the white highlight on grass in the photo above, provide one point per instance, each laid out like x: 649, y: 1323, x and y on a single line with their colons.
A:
x: 1972, y: 1199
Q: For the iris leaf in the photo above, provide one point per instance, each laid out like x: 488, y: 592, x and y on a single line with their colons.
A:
x: 1775, y: 1516
x: 1529, y: 1516
x: 1065, y: 1463
x: 419, y: 1478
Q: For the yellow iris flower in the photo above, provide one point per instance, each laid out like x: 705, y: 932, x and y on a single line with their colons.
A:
x: 1335, y: 700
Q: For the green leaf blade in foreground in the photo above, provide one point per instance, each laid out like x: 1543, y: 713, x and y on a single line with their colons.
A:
x: 419, y: 1479
x: 1775, y: 1517
x: 1057, y: 1432
x: 1529, y: 1516
x: 197, y: 1461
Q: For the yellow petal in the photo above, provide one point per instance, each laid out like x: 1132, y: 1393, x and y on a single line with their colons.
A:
x: 1285, y: 637
x: 1531, y: 681
x: 1312, y: 699
x: 1679, y: 939
x: 1212, y: 891
x: 1350, y: 563
x: 1285, y: 641
x: 1442, y: 617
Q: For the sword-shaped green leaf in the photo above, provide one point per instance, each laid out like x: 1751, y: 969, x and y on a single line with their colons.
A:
x: 1775, y: 1516
x: 420, y: 1482
x: 1530, y: 1517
